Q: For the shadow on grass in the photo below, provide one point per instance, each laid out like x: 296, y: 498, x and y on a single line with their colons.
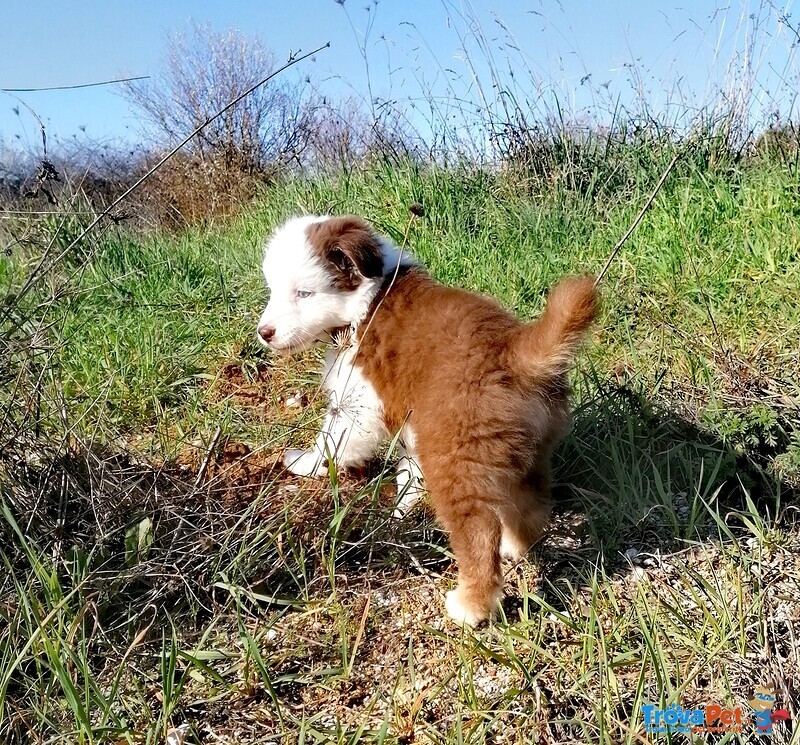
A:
x: 634, y: 482
x: 628, y: 478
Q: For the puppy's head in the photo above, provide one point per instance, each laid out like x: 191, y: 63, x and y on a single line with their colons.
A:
x: 322, y: 274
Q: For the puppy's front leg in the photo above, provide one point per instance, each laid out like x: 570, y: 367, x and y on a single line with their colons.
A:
x: 349, y: 436
x: 304, y: 463
x: 314, y: 462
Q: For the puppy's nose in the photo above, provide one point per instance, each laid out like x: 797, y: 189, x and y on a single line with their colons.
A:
x: 266, y: 333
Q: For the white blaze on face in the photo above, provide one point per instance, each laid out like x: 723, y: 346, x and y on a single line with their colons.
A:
x: 305, y: 304
x: 298, y: 286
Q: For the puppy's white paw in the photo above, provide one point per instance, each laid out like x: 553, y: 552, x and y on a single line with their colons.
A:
x: 304, y: 463
x: 459, y: 612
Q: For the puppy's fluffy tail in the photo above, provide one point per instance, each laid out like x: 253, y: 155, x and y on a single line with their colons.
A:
x: 546, y: 347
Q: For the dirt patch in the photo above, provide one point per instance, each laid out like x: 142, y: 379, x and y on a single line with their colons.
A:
x: 240, y: 473
x: 249, y: 385
x: 274, y: 389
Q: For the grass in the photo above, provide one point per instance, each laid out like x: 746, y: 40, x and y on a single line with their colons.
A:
x: 161, y: 569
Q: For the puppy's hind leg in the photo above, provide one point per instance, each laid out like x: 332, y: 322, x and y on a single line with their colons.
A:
x: 476, y: 543
x: 525, y: 514
x: 465, y: 508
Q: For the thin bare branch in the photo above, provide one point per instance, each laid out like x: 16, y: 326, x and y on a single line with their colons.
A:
x: 73, y: 87
x: 635, y: 223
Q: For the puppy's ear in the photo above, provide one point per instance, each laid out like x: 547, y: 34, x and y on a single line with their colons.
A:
x: 349, y: 247
x: 341, y: 260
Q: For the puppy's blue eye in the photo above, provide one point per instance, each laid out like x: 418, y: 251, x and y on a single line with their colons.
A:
x: 304, y: 293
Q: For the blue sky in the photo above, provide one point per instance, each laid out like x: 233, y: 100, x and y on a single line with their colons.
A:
x: 664, y: 53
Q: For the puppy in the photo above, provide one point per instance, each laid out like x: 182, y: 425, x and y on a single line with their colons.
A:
x: 479, y: 398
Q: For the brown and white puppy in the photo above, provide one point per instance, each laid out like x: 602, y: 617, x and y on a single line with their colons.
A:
x: 479, y: 398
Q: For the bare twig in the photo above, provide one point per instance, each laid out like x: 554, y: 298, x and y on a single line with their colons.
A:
x: 38, y: 119
x: 207, y: 459
x: 635, y: 223
x: 73, y: 87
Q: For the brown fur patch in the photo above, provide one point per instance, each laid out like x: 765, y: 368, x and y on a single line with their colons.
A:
x: 348, y: 245
x: 486, y: 399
